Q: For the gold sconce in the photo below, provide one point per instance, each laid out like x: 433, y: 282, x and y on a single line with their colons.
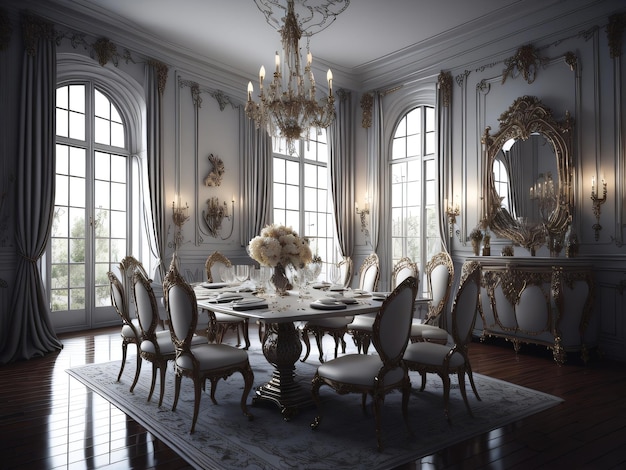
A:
x: 452, y: 212
x: 597, y: 202
x: 180, y: 215
x: 362, y: 214
x: 215, y: 214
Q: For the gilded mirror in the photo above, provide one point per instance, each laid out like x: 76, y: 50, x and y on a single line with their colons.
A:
x: 528, y: 176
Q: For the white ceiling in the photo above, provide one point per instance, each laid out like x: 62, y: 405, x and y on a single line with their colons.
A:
x: 235, y: 33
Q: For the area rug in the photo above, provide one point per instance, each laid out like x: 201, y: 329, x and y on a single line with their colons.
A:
x: 225, y: 439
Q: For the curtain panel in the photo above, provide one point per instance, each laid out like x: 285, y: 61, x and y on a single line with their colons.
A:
x: 29, y: 333
x: 341, y: 167
x: 255, y: 198
x: 156, y: 78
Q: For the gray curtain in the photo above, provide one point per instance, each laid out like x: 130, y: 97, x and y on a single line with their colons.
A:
x: 255, y: 199
x: 375, y: 154
x: 341, y: 165
x: 444, y: 164
x: 156, y: 78
x: 30, y: 333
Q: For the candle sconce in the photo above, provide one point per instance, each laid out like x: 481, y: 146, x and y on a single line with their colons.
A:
x: 180, y: 215
x: 215, y: 214
x: 362, y: 214
x: 452, y: 212
x: 597, y: 202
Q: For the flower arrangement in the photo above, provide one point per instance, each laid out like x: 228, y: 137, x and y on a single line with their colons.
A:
x: 278, y: 244
x: 476, y: 235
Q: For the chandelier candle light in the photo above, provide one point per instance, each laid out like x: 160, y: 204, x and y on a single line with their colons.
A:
x: 290, y: 108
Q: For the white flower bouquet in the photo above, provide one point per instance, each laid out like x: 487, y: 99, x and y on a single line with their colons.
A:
x: 278, y: 244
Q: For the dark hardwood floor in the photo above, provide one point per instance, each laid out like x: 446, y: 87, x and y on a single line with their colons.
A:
x: 50, y: 421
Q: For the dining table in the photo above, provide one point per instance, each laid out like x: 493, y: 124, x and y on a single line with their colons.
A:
x: 281, y: 341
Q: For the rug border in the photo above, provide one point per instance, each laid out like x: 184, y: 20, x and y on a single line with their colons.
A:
x: 188, y: 454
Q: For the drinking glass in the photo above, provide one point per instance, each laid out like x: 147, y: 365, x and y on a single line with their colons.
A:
x: 227, y: 273
x: 242, y: 271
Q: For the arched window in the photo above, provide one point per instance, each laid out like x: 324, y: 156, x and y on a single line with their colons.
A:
x: 413, y: 195
x: 97, y: 220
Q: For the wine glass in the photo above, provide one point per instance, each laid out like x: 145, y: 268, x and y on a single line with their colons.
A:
x: 227, y: 273
x: 242, y: 272
x: 255, y: 277
x: 335, y: 274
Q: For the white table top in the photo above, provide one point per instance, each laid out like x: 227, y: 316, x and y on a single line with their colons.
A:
x: 290, y: 309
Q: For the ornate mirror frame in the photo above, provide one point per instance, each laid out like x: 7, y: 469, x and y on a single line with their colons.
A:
x: 527, y: 115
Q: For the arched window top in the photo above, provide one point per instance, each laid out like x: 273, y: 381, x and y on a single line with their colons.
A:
x: 130, y: 105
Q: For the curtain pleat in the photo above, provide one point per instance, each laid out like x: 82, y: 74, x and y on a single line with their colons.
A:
x: 255, y: 205
x: 156, y: 77
x: 30, y: 332
x: 341, y: 169
x: 375, y: 154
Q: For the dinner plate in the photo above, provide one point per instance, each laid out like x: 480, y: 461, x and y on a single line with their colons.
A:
x: 328, y: 306
x: 214, y: 285
x: 320, y: 285
x: 380, y: 295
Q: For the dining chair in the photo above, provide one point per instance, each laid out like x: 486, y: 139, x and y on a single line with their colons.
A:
x: 336, y: 327
x: 131, y: 331
x: 403, y: 268
x: 220, y: 323
x: 369, y: 273
x: 214, y: 264
x: 345, y: 268
x: 444, y: 359
x: 439, y: 276
x: 375, y: 374
x: 128, y: 265
x: 362, y: 326
x: 200, y: 362
x: 156, y: 345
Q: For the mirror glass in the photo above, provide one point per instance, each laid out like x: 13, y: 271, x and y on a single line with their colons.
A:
x: 528, y: 187
x: 526, y: 178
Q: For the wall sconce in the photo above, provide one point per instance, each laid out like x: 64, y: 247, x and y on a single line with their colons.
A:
x: 362, y: 213
x: 180, y: 215
x: 215, y: 214
x: 451, y: 212
x: 597, y: 202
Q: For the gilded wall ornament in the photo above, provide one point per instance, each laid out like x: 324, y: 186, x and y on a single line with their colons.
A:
x: 614, y: 32
x: 214, y: 178
x: 367, y: 101
x: 524, y: 62
x: 444, y: 82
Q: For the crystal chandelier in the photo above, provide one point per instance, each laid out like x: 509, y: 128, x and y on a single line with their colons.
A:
x: 289, y: 109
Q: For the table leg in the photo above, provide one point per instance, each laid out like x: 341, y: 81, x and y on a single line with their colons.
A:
x: 282, y: 349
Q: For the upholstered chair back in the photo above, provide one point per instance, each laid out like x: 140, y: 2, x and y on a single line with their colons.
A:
x: 145, y: 300
x: 345, y: 267
x: 403, y: 269
x: 466, y: 304
x: 118, y: 297
x: 181, y: 308
x: 214, y: 264
x: 439, y: 275
x: 393, y: 321
x: 369, y: 273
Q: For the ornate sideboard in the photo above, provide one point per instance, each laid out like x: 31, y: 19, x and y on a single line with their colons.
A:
x: 546, y: 301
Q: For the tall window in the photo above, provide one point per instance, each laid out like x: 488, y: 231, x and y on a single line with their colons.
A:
x: 89, y: 232
x: 301, y: 194
x: 413, y: 172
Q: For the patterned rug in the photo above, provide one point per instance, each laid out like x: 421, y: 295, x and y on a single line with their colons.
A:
x: 225, y: 439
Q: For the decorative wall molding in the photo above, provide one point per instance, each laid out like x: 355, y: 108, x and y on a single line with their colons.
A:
x: 444, y: 83
x: 367, y: 101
